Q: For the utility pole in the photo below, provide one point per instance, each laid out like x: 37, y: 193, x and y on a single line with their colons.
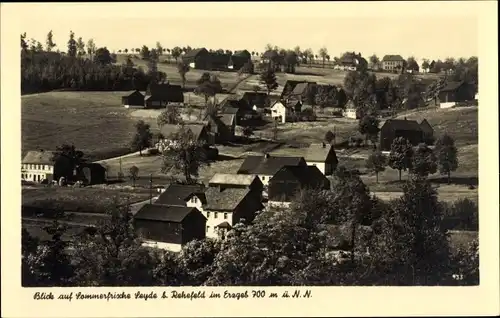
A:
x: 150, y: 188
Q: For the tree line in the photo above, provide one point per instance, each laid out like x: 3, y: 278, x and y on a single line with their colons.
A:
x: 402, y: 242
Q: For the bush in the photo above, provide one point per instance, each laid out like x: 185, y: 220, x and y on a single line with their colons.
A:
x: 461, y: 215
x: 152, y: 152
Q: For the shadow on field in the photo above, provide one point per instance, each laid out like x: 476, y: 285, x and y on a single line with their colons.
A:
x: 456, y: 180
x: 305, y: 73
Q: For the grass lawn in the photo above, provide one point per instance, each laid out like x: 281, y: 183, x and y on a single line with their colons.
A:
x: 81, y: 199
x: 79, y: 118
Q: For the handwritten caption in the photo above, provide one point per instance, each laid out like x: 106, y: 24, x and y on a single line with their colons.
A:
x: 153, y: 296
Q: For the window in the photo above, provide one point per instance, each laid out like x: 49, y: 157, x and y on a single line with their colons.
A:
x: 215, y: 215
x: 263, y: 178
x: 208, y: 228
x: 208, y: 215
x: 195, y: 199
x: 225, y: 216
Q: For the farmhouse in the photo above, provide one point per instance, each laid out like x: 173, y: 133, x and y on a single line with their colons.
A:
x: 160, y: 95
x: 197, y: 58
x: 255, y: 100
x: 289, y: 180
x: 352, y: 61
x: 394, y: 128
x: 392, y: 63
x: 228, y: 205
x: 199, y: 131
x: 273, y: 58
x: 240, y: 58
x: 455, y: 92
x: 91, y: 173
x: 38, y: 166
x: 221, y: 127
x: 169, y: 227
x: 284, y: 113
x: 288, y: 88
x: 323, y: 157
x: 235, y: 106
x: 238, y: 181
x: 351, y: 111
x: 302, y: 92
x: 266, y: 166
x: 177, y: 194
x: 133, y: 99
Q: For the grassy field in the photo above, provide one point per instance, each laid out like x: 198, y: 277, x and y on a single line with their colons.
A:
x: 81, y: 199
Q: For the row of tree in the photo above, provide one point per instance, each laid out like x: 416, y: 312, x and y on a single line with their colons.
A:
x: 402, y: 242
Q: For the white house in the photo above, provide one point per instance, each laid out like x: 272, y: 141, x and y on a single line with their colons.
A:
x: 351, y: 111
x: 323, y: 157
x: 280, y: 112
x: 38, y: 166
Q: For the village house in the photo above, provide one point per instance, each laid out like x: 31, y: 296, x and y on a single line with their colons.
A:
x: 169, y: 227
x: 393, y: 63
x: 197, y: 59
x: 303, y: 92
x: 428, y: 131
x: 272, y: 57
x: 200, y: 132
x: 395, y: 128
x: 239, y: 59
x: 257, y: 101
x: 38, y: 166
x: 221, y: 127
x: 323, y: 157
x: 223, y: 207
x: 236, y: 106
x: 455, y: 92
x: 285, y: 111
x: 352, y: 61
x: 288, y: 88
x: 238, y: 181
x: 289, y: 180
x: 177, y: 194
x: 161, y: 95
x: 351, y: 111
x: 267, y: 165
x: 133, y: 99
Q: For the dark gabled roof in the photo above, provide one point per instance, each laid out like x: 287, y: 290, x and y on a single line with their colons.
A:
x: 261, y: 165
x: 224, y: 225
x: 255, y: 98
x: 289, y: 87
x: 200, y: 195
x: 426, y: 126
x: 39, y: 157
x: 161, y: 212
x: 235, y: 179
x: 130, y: 93
x: 394, y: 58
x: 169, y: 129
x: 225, y: 200
x: 227, y: 119
x: 402, y: 124
x: 165, y: 92
x: 193, y: 53
x: 451, y: 86
x: 308, y: 176
x: 229, y: 110
x: 301, y: 88
x: 220, y: 120
x: 234, y: 102
x: 176, y: 194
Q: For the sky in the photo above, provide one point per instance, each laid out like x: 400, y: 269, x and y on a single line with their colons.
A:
x: 406, y: 28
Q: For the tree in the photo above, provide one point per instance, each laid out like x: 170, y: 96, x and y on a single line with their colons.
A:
x: 176, y: 52
x: 323, y: 53
x: 72, y: 45
x: 49, y: 264
x: 268, y: 78
x: 424, y: 161
x: 208, y: 85
x: 247, y: 131
x: 446, y: 154
x: 110, y: 254
x: 50, y: 42
x: 412, y: 244
x: 171, y: 115
x: 329, y: 136
x: 91, y: 47
x: 374, y: 61
x: 80, y: 46
x: 196, y: 259
x: 145, y: 52
x: 159, y: 48
x: 368, y: 126
x: 183, y: 152
x: 103, y: 56
x: 426, y: 65
x: 68, y: 159
x: 142, y: 138
x: 376, y: 163
x: 412, y: 64
x: 291, y: 61
x: 401, y: 155
x: 133, y: 174
x: 24, y: 44
x: 39, y: 47
x: 183, y: 68
x: 125, y: 50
